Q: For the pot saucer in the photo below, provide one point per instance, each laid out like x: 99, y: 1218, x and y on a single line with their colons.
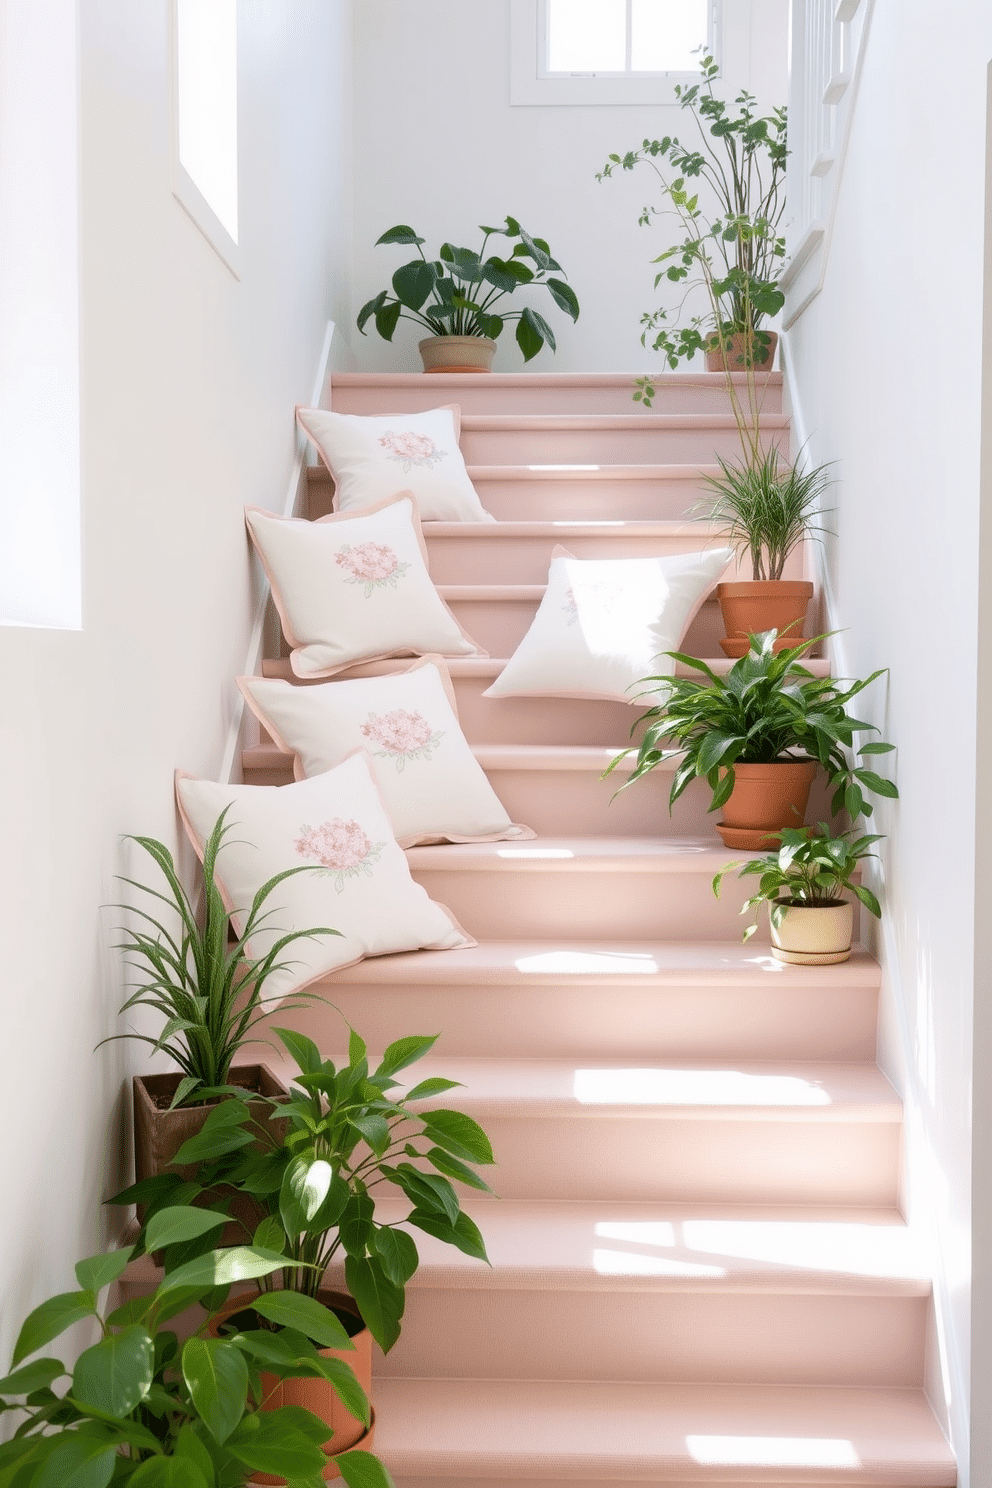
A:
x: 750, y: 839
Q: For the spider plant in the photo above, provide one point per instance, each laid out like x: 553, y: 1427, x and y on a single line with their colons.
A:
x: 202, y: 981
x: 765, y: 509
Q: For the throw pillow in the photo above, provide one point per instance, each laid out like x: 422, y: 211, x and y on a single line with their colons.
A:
x: 354, y: 587
x: 432, y: 786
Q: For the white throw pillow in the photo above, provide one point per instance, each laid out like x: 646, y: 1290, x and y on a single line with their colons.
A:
x: 360, y: 886
x: 371, y: 457
x: 432, y: 786
x: 354, y: 587
x: 604, y: 624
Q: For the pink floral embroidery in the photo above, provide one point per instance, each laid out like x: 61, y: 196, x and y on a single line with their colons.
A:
x: 411, y: 449
x: 341, y: 848
x: 370, y: 564
x: 570, y: 607
x: 403, y: 735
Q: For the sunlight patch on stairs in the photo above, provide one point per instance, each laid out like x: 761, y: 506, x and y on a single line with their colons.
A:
x: 682, y: 1087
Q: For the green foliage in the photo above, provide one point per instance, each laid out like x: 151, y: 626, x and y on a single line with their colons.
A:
x: 349, y: 1133
x: 765, y: 509
x: 201, y: 981
x: 728, y: 195
x: 456, y: 293
x: 143, y: 1409
x: 767, y: 707
x: 810, y: 868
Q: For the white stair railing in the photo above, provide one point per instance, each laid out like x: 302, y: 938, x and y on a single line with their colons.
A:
x: 828, y: 44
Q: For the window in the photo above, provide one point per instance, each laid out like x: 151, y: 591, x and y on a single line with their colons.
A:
x: 607, y: 51
x: 205, y: 106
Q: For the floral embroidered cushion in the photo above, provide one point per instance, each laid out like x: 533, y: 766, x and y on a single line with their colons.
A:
x: 354, y: 587
x: 359, y: 883
x: 432, y: 786
x: 371, y: 457
x: 604, y: 624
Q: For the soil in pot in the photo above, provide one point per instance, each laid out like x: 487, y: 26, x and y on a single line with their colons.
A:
x: 159, y: 1133
x: 813, y: 934
x: 457, y: 353
x: 736, y: 357
x: 751, y: 606
x: 765, y: 798
x: 316, y: 1395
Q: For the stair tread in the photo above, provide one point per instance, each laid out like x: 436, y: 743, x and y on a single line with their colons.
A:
x: 623, y: 421
x: 490, y: 756
x: 580, y: 854
x: 664, y: 1089
x: 568, y: 472
x: 491, y: 666
x: 677, y: 1433
x: 703, y: 532
x: 659, y: 963
x: 609, y: 1246
x: 544, y: 379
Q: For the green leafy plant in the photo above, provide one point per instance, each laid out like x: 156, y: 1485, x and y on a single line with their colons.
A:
x: 349, y: 1134
x: 727, y: 194
x: 765, y: 509
x: 201, y: 980
x: 810, y: 868
x: 767, y: 707
x: 144, y: 1408
x: 460, y: 292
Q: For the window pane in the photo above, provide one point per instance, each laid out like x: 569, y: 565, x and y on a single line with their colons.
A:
x: 587, y: 35
x: 207, y: 33
x: 664, y: 34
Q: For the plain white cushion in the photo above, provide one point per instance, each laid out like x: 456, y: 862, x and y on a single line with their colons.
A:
x: 604, y: 624
x: 354, y: 587
x: 373, y: 456
x: 361, y: 887
x: 431, y: 783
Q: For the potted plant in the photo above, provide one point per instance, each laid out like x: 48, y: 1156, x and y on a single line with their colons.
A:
x: 756, y: 736
x: 457, y: 298
x: 141, y: 1408
x: 210, y: 994
x: 727, y: 194
x: 803, y: 884
x: 764, y: 510
x: 348, y: 1133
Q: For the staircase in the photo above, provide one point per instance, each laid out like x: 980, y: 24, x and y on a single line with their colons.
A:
x: 699, y: 1270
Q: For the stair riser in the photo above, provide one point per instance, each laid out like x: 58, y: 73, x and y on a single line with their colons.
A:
x: 491, y: 556
x: 588, y: 500
x: 642, y: 1335
x: 588, y: 444
x: 575, y: 1020
x: 499, y: 626
x: 814, y: 1161
x: 592, y: 904
x: 540, y: 720
x: 518, y: 395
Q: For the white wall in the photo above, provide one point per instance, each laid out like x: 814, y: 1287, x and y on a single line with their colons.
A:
x: 438, y: 146
x: 188, y: 383
x: 886, y: 369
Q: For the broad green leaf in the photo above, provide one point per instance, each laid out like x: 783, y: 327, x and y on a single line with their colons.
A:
x: 223, y: 1268
x: 398, y: 1253
x: 99, y: 1271
x: 459, y: 1134
x: 387, y: 319
x: 270, y: 1235
x: 80, y: 1459
x: 564, y: 297
x: 294, y: 1310
x: 362, y: 1470
x: 346, y: 1387
x: 169, y: 1226
x: 374, y: 1131
x: 464, y: 1233
x: 436, y: 1085
x: 303, y: 1050
x: 356, y: 1224
x: 877, y: 783
x: 427, y: 1190
x: 281, y: 1351
x: 413, y: 283
x: 32, y: 1377
x: 405, y: 1051
x: 379, y: 1300
x: 452, y: 1168
x: 399, y: 234
x: 263, y: 1444
x: 528, y: 339
x: 307, y: 1186
x: 216, y: 1376
x: 49, y: 1320
x: 172, y: 1472
x: 214, y: 1141
x: 115, y: 1375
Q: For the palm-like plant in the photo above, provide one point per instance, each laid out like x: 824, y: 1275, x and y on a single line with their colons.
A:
x: 765, y: 509
x: 202, y: 981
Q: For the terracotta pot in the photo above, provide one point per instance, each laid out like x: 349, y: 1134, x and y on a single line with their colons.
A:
x: 457, y: 353
x: 317, y: 1395
x: 766, y: 798
x: 734, y: 358
x: 813, y: 935
x: 159, y: 1133
x: 750, y: 606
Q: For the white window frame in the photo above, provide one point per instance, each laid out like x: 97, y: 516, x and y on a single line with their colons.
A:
x: 184, y: 188
x: 530, y: 85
